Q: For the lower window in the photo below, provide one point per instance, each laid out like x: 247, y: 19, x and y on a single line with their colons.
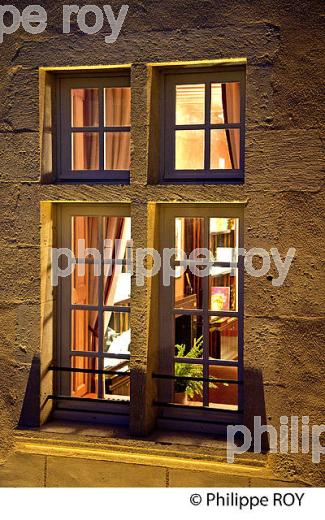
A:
x: 92, y: 362
x: 201, y: 340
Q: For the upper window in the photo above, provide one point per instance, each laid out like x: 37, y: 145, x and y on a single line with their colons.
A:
x: 95, y: 124
x: 203, y: 137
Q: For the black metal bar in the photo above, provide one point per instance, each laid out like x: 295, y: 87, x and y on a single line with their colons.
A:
x: 188, y: 378
x: 191, y: 408
x: 85, y: 400
x: 89, y: 371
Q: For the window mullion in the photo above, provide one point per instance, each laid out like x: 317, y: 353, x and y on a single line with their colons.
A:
x: 206, y: 332
x: 100, y: 312
x: 207, y: 138
x: 101, y: 130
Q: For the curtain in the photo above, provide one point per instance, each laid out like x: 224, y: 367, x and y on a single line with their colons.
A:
x: 231, y: 110
x: 118, y: 114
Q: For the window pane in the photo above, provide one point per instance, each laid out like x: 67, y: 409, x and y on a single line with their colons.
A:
x: 189, y: 152
x: 223, y: 289
x: 188, y: 336
x: 225, y: 149
x: 189, y: 235
x: 85, y: 280
x: 84, y: 331
x: 190, y: 104
x: 85, y: 151
x: 224, y: 396
x: 84, y: 107
x: 223, y: 342
x: 117, y: 246
x: 117, y: 106
x: 188, y: 290
x: 84, y: 385
x: 116, y: 386
x: 117, y: 333
x: 186, y: 391
x: 85, y: 236
x: 117, y: 150
x: 225, y: 103
x: 224, y: 239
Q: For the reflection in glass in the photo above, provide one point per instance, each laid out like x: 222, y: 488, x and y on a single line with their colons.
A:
x: 117, y: 106
x: 189, y: 152
x: 84, y: 107
x: 190, y: 104
x: 85, y: 151
x: 223, y: 334
x: 117, y: 150
x: 84, y: 236
x: 117, y: 333
x: 225, y: 103
x: 224, y: 239
x: 85, y: 280
x: 225, y: 149
x: 223, y: 395
x: 188, y: 336
x: 84, y: 331
x: 223, y: 285
x: 188, y: 392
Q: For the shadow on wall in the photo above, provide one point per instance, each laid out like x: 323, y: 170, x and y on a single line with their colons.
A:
x: 255, y: 403
x: 30, y: 415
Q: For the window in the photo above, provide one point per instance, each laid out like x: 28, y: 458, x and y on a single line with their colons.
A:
x: 95, y: 124
x: 92, y: 362
x: 201, y: 343
x: 203, y: 120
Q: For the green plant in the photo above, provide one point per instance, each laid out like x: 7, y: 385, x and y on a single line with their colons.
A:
x: 191, y: 387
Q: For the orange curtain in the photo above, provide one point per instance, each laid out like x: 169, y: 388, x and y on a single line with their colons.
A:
x: 231, y: 109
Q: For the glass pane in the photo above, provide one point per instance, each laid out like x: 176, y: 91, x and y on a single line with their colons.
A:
x: 189, y: 152
x: 189, y: 235
x: 224, y: 239
x: 223, y: 342
x: 85, y: 236
x: 84, y: 107
x: 84, y: 331
x: 225, y: 103
x: 186, y: 391
x: 190, y: 104
x: 117, y: 238
x: 188, y: 336
x: 117, y: 150
x: 188, y: 290
x: 116, y: 386
x: 223, y: 283
x: 85, y: 281
x: 117, y: 106
x: 117, y: 286
x: 84, y: 385
x: 225, y: 149
x: 85, y: 151
x: 223, y: 395
x: 117, y: 333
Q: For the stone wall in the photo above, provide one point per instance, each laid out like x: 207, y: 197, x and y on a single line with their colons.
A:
x: 284, y: 331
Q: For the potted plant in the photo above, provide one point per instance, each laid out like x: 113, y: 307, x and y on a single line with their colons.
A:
x: 185, y: 388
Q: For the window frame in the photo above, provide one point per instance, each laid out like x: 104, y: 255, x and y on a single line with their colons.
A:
x: 64, y: 83
x: 65, y: 404
x: 170, y: 78
x: 170, y: 410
